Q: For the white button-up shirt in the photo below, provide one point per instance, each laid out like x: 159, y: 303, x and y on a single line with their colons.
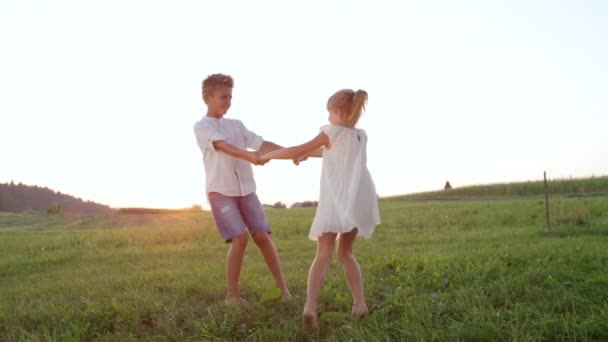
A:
x: 224, y: 173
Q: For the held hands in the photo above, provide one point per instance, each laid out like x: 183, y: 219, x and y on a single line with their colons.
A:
x: 261, y: 159
x: 255, y: 159
x: 264, y: 158
x: 297, y: 160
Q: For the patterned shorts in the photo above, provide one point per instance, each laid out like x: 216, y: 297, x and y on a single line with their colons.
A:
x: 234, y: 216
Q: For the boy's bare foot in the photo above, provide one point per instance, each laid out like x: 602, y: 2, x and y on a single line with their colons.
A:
x: 286, y: 297
x: 236, y: 301
x: 310, y: 321
x: 359, y: 311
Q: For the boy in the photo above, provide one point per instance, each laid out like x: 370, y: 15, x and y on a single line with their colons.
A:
x: 230, y: 185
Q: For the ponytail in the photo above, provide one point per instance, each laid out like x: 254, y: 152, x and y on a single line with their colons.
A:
x: 359, y: 102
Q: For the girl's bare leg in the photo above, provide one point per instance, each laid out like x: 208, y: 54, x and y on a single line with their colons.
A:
x: 325, y: 248
x: 352, y: 272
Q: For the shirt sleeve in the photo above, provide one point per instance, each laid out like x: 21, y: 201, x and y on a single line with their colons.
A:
x: 331, y: 131
x: 252, y: 140
x: 206, y: 135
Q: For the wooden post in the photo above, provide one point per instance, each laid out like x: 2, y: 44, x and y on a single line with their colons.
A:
x: 548, y: 226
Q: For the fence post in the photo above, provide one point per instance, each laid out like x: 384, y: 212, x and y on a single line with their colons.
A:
x: 548, y: 226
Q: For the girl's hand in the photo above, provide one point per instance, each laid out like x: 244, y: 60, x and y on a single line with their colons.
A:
x: 255, y: 159
x: 297, y: 160
x: 264, y: 158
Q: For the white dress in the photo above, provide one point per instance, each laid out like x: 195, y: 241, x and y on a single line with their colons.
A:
x: 348, y: 197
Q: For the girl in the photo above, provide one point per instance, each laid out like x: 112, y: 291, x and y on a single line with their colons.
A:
x: 348, y: 204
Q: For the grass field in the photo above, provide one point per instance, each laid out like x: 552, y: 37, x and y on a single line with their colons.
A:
x: 469, y: 270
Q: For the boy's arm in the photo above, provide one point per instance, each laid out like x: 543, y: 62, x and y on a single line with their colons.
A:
x: 268, y: 146
x: 252, y: 157
x: 292, y: 152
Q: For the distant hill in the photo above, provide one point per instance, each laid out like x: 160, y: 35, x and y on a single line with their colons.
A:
x: 562, y: 187
x: 20, y: 197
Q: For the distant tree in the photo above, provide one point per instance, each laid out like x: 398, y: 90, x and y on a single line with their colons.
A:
x: 196, y: 207
x: 309, y: 204
x: 18, y: 198
x: 54, y: 209
x: 447, y: 186
x: 279, y: 205
x: 305, y: 204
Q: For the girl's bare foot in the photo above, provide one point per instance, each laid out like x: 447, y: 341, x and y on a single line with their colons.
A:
x: 310, y: 321
x: 359, y: 311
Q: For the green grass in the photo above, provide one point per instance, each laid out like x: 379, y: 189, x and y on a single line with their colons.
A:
x: 472, y: 270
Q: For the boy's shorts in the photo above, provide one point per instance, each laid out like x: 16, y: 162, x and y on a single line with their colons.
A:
x: 235, y: 215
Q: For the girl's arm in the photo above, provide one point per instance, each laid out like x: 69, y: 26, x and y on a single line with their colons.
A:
x: 268, y: 146
x: 313, y: 146
x: 315, y: 153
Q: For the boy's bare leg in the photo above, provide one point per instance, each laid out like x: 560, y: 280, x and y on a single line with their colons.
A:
x: 352, y: 271
x: 234, y: 261
x: 325, y: 249
x: 263, y: 241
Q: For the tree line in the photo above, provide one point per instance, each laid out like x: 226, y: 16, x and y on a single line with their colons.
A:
x: 20, y: 197
x: 281, y: 205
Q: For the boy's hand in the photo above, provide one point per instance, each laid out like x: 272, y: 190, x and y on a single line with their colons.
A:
x: 255, y: 159
x: 265, y: 159
x: 297, y: 160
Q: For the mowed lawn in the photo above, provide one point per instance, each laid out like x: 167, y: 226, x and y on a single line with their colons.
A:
x: 482, y: 270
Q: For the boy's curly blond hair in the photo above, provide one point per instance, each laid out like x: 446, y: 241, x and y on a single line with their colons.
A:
x: 215, y: 81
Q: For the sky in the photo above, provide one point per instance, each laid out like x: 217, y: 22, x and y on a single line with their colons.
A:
x: 98, y: 98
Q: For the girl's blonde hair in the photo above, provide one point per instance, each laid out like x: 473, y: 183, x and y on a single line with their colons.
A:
x: 350, y: 102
